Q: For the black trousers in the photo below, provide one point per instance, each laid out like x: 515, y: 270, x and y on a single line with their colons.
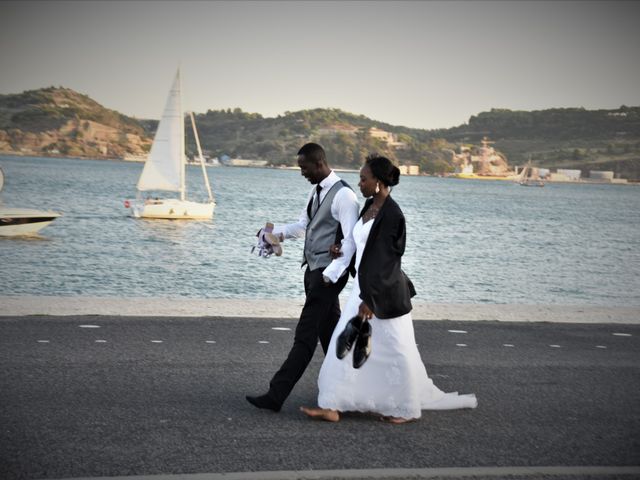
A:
x: 318, y: 319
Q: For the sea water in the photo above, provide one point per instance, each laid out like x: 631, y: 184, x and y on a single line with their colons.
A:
x: 467, y: 241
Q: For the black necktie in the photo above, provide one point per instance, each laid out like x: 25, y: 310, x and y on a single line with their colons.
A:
x: 314, y: 203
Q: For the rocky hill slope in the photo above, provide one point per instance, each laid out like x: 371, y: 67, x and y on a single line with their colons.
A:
x: 61, y: 122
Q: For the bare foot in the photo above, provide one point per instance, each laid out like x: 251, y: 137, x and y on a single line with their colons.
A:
x: 321, y: 414
x: 397, y: 420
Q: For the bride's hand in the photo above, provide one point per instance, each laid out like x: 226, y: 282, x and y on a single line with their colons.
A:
x: 334, y: 250
x: 365, y: 312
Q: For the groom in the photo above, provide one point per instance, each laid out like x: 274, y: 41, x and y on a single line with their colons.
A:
x: 329, y: 215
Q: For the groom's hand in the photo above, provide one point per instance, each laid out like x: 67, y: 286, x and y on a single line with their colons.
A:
x: 270, y: 237
x: 326, y: 281
x: 334, y: 251
x: 268, y: 242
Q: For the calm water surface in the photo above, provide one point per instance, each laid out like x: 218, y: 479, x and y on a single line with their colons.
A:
x: 468, y: 241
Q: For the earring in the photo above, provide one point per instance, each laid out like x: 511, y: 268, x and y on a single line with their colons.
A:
x: 377, y: 187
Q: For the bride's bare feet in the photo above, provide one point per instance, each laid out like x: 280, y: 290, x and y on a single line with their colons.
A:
x: 321, y: 414
x: 397, y: 420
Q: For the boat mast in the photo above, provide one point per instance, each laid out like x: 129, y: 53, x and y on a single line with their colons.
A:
x: 204, y: 169
x: 182, y: 142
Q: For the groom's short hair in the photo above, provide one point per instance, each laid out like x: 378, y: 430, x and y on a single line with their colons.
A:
x: 312, y: 152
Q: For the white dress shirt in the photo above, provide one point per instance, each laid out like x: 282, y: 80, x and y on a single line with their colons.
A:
x: 344, y: 209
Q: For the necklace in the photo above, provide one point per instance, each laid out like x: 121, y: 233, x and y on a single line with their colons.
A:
x: 370, y: 213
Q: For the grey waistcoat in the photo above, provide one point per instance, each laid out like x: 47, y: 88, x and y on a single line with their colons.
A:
x: 322, y: 231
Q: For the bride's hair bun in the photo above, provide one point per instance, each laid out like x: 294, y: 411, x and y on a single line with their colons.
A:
x: 383, y: 169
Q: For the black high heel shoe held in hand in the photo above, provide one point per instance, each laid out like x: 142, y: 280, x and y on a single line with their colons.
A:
x: 348, y: 337
x: 362, y: 349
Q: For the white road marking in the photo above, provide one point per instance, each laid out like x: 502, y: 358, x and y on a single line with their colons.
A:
x: 507, y: 345
x: 101, y: 341
x: 621, y: 334
x: 43, y: 341
x: 209, y: 341
x: 89, y: 326
x: 555, y: 346
x: 457, y: 331
x: 600, y: 346
x: 156, y: 341
x: 283, y: 329
x: 461, y: 344
x: 262, y: 341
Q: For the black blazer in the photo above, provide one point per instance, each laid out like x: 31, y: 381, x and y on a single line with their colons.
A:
x: 384, y: 287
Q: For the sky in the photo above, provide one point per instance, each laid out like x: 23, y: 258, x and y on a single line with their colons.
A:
x: 420, y: 64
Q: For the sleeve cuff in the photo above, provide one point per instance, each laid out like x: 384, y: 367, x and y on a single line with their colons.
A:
x: 334, y: 271
x: 277, y: 230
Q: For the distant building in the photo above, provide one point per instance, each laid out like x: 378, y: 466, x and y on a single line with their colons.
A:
x: 244, y: 162
x: 130, y: 157
x: 565, y: 175
x: 381, y: 134
x: 389, y: 138
x: 601, y: 175
x: 409, y: 169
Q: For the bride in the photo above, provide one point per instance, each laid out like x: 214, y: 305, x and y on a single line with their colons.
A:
x: 393, y: 382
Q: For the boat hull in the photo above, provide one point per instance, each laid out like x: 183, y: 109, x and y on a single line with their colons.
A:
x: 174, y: 209
x: 16, y: 222
x: 473, y: 176
x: 531, y: 184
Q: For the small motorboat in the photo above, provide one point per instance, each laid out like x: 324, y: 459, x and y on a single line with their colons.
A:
x: 23, y: 221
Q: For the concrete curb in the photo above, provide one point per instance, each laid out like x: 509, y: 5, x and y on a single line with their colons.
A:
x: 396, y: 473
x: 290, y: 308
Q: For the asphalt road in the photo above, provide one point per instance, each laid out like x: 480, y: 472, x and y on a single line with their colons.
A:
x: 148, y: 396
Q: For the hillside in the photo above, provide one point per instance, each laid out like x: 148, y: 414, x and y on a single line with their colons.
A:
x: 348, y: 138
x: 62, y: 122
x: 59, y: 121
x: 556, y: 138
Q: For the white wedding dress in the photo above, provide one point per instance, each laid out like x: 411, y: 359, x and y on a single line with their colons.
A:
x: 393, y: 381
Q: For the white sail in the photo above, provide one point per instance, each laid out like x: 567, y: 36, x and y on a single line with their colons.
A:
x: 164, y: 169
x: 523, y: 174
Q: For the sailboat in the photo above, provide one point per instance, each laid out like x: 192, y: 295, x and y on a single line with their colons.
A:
x: 164, y: 170
x: 528, y: 179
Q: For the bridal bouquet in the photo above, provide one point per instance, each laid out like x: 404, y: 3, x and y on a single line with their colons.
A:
x: 268, y: 243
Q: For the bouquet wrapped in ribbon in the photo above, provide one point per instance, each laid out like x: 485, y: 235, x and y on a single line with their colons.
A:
x: 268, y: 243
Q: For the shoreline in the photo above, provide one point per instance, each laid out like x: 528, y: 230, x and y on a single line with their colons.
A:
x: 584, y: 181
x: 20, y: 306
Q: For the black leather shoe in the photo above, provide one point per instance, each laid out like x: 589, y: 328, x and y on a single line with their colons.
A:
x: 348, y: 336
x: 362, y: 350
x: 264, y: 401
